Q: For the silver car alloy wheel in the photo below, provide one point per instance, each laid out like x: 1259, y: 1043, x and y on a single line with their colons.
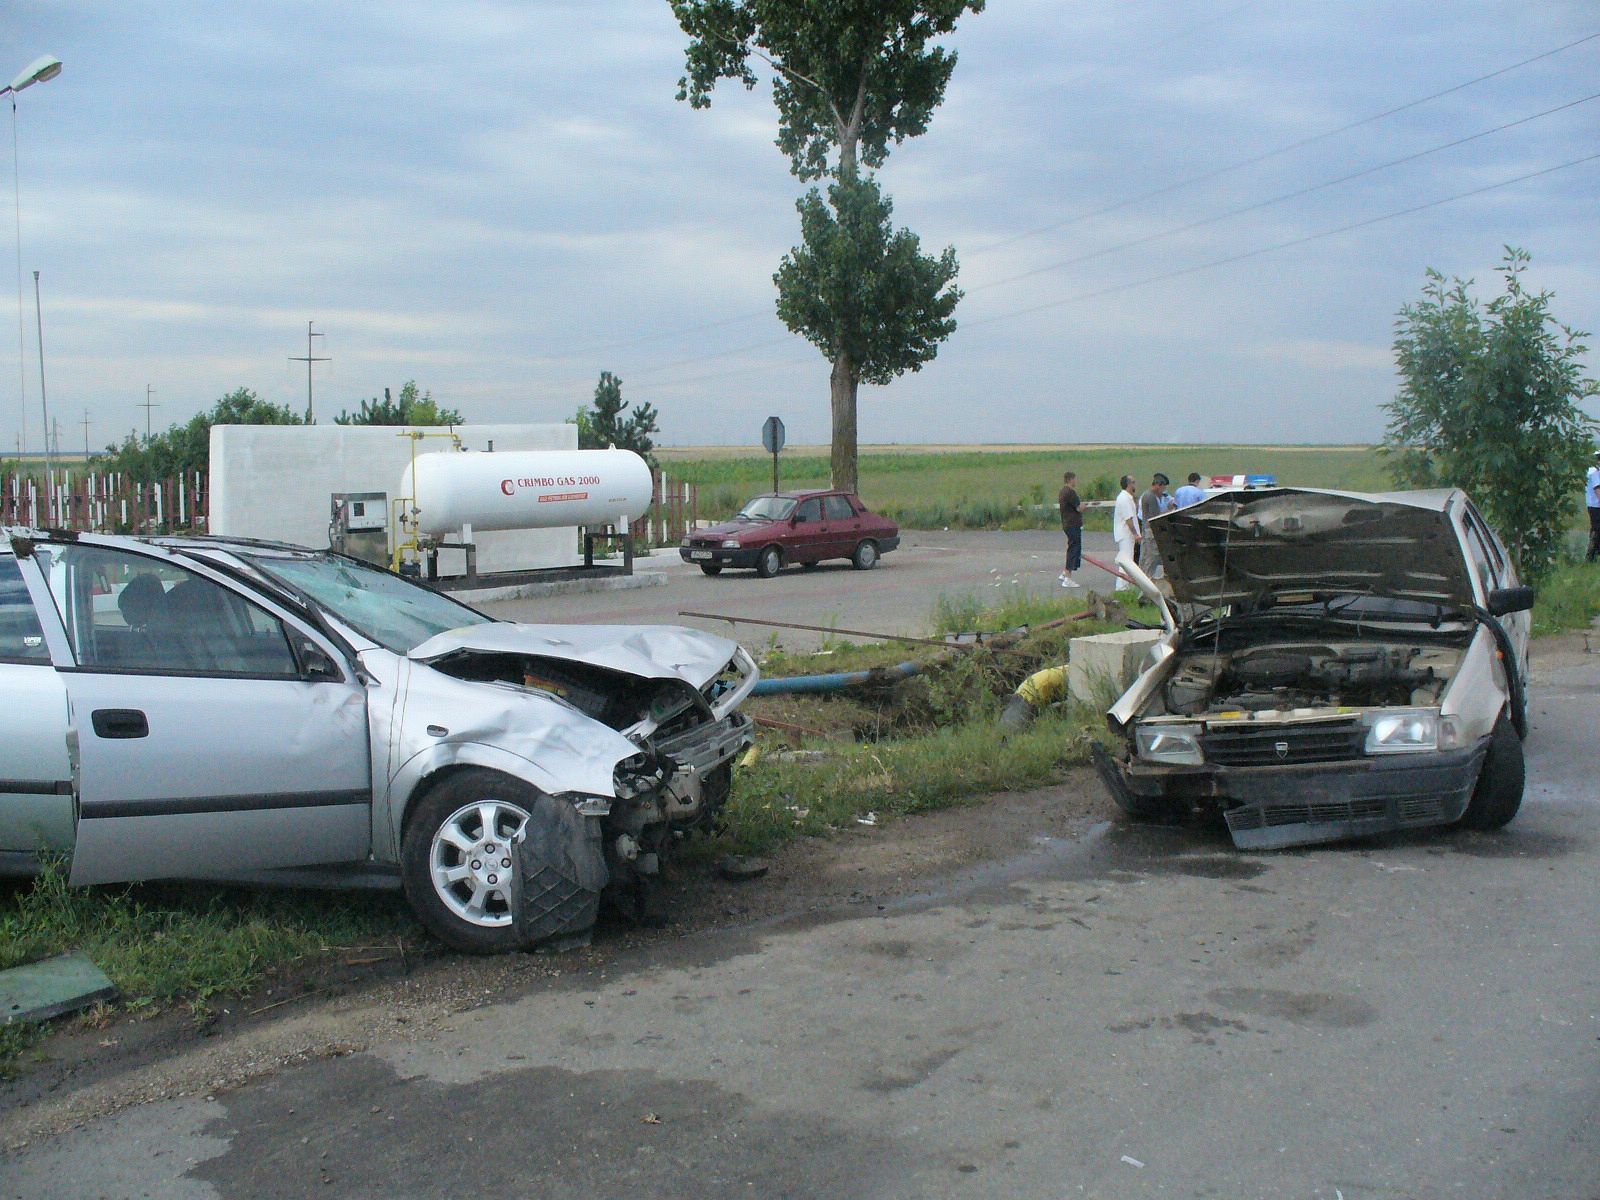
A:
x: 473, y: 861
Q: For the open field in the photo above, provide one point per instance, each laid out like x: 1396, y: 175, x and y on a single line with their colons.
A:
x: 1004, y: 485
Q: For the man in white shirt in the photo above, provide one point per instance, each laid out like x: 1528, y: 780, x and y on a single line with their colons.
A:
x: 1591, y: 499
x: 1125, y: 527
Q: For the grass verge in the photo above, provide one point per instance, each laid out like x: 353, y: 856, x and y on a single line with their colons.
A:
x: 166, y: 943
x: 1568, y: 599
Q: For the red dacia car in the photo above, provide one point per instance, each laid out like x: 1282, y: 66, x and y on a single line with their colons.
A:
x: 793, y: 527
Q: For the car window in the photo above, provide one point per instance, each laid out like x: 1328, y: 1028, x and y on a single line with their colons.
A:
x: 21, y: 636
x: 1492, y: 549
x: 126, y: 612
x: 768, y: 508
x: 837, y: 508
x: 1482, y: 560
x: 393, y: 612
x: 810, y: 510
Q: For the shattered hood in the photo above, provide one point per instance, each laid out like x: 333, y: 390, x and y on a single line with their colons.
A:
x: 647, y: 651
x: 1247, y: 547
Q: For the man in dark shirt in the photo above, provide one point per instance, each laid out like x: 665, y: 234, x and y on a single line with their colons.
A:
x: 1072, y: 526
x: 1152, y: 504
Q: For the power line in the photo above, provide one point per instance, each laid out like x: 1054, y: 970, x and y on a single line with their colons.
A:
x: 1129, y: 201
x: 1279, y: 199
x: 1194, y: 269
x: 1281, y: 150
x: 1300, y: 241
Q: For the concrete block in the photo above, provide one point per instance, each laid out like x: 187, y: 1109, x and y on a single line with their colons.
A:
x: 1101, y: 667
x: 38, y: 991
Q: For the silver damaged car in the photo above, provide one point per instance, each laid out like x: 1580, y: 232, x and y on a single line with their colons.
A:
x: 1339, y: 664
x: 210, y: 708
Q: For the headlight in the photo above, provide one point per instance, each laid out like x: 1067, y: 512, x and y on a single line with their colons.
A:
x: 636, y: 776
x: 1402, y: 732
x: 1156, y: 744
x: 730, y: 543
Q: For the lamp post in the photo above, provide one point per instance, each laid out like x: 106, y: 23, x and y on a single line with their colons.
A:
x: 40, y: 70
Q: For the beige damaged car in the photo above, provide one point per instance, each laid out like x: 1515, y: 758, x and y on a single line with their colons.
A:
x: 1348, y: 664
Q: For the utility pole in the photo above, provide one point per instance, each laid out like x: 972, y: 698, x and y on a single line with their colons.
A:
x: 86, y: 435
x: 310, y: 357
x: 149, y: 390
x: 44, y: 404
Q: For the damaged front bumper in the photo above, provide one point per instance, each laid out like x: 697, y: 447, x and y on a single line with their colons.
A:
x: 1267, y: 808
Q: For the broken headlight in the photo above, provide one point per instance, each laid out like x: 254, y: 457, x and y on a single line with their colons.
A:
x: 1176, y: 747
x: 637, y: 776
x: 1402, y: 732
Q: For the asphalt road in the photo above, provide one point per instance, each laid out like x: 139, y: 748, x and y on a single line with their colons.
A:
x: 898, y: 596
x: 1142, y: 1012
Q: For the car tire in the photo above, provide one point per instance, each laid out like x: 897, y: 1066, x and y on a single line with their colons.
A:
x: 866, y: 556
x: 769, y: 562
x: 1498, y: 794
x: 455, y: 913
x: 711, y: 568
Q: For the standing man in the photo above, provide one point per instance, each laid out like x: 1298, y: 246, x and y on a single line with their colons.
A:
x: 1125, y: 527
x: 1191, y: 492
x: 1072, y: 526
x: 1591, y: 498
x: 1152, y: 504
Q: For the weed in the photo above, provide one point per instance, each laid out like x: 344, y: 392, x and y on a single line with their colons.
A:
x: 1568, y: 598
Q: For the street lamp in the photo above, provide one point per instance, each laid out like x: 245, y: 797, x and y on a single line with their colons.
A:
x: 40, y: 70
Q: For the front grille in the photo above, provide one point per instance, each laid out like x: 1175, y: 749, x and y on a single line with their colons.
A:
x: 1284, y: 745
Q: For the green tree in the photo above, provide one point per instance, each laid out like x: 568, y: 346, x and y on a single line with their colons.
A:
x: 187, y: 447
x: 604, y: 424
x: 1489, y: 402
x: 862, y: 292
x: 850, y: 77
x: 413, y: 408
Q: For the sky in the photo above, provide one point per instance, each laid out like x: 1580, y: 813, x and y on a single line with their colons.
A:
x: 1177, y: 220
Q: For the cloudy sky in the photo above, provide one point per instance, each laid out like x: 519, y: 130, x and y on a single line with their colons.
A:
x: 1175, y: 219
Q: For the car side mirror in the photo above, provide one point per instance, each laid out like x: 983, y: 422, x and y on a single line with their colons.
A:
x: 1510, y: 600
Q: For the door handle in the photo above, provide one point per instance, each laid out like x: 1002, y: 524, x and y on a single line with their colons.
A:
x: 119, y: 723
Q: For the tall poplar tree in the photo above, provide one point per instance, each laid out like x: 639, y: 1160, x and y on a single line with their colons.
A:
x: 850, y: 78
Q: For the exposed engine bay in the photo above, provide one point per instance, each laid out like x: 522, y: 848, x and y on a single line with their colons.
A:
x: 1306, y: 674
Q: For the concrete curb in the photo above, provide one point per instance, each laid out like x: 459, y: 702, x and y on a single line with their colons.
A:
x: 559, y: 587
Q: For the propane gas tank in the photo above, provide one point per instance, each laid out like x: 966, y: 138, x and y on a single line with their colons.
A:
x: 527, y: 489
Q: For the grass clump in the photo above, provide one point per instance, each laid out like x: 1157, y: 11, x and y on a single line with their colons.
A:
x: 926, y: 742
x: 166, y: 943
x: 774, y: 800
x: 1568, y: 598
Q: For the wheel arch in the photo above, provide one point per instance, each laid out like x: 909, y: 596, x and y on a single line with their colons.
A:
x: 428, y: 770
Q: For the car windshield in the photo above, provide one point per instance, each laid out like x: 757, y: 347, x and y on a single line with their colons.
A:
x: 767, y: 508
x: 394, y: 612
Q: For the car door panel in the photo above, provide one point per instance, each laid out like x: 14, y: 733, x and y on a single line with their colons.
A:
x: 198, y: 750
x: 809, y: 538
x: 233, y: 775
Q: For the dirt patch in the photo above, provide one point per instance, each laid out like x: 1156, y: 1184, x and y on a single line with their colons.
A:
x: 340, y: 1007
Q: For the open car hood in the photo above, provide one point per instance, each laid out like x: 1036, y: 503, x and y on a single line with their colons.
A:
x: 1248, y: 547
x: 648, y: 651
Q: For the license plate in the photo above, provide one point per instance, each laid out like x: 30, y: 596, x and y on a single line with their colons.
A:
x: 699, y: 554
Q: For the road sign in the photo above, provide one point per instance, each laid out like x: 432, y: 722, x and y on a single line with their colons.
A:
x: 772, y: 435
